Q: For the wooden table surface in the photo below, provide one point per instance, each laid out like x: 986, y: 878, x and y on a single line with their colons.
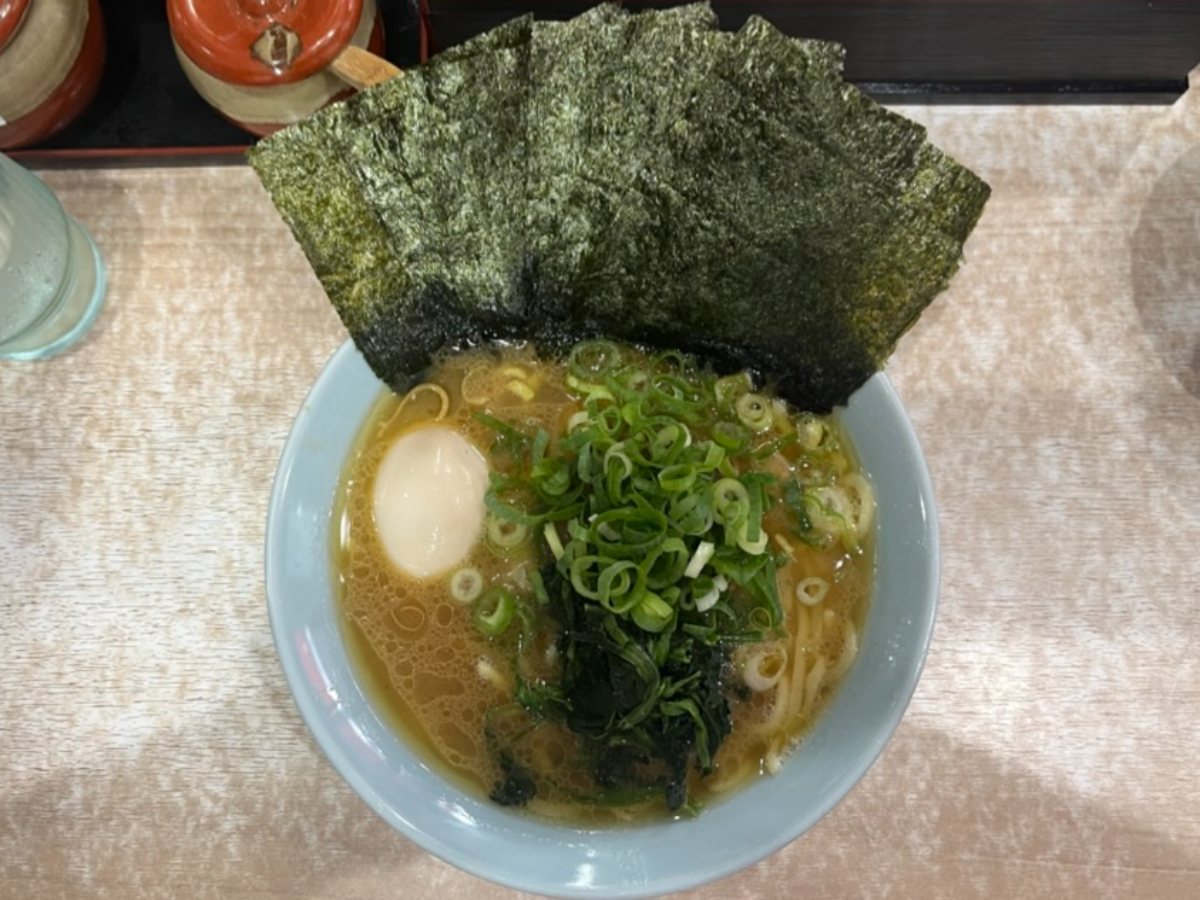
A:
x: 148, y: 743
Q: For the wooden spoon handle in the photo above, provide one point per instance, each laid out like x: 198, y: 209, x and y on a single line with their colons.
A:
x: 361, y: 68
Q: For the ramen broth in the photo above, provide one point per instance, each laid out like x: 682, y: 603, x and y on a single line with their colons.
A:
x: 449, y: 688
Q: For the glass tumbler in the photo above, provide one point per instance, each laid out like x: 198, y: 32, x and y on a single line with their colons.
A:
x: 52, y: 278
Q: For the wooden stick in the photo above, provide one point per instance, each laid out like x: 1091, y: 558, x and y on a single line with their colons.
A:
x: 361, y: 69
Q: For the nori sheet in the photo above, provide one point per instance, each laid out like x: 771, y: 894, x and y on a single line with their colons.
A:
x: 883, y: 146
x: 643, y: 176
x: 835, y: 260
x: 316, y: 192
x: 383, y: 213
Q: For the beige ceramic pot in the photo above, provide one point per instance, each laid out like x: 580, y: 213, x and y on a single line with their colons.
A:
x: 51, y: 59
x: 264, y: 64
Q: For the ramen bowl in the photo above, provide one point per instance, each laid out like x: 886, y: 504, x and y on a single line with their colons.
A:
x: 520, y: 851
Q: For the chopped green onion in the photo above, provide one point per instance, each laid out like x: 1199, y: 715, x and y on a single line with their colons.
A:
x: 607, y: 418
x: 539, y: 588
x: 620, y: 586
x: 630, y: 383
x: 504, y: 510
x: 731, y: 436
x: 590, y: 390
x: 704, y: 552
x: 731, y: 387
x: 760, y: 618
x: 466, y: 585
x: 552, y: 479
x: 652, y: 613
x: 673, y: 359
x: 639, y: 530
x: 617, y: 452
x: 707, y: 594
x: 665, y: 565
x: 541, y: 441
x: 677, y: 478
x: 504, y: 534
x: 753, y: 546
x: 585, y: 575
x: 593, y: 359
x: 731, y: 506
x: 494, y: 611
x: 508, y: 438
x: 550, y: 533
x: 691, y: 514
x: 754, y: 411
x: 813, y: 432
x: 750, y: 535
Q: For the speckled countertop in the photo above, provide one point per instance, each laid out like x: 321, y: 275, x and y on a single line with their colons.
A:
x: 148, y: 743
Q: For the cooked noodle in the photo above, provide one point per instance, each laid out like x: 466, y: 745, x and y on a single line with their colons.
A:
x: 436, y: 389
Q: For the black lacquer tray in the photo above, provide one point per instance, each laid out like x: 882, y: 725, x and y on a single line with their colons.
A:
x: 958, y: 51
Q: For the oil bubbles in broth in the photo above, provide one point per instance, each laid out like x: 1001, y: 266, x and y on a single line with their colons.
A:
x: 605, y: 588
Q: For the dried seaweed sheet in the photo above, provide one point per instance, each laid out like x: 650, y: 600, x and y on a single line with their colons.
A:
x: 319, y: 197
x: 884, y: 147
x: 794, y: 250
x: 453, y: 218
x: 602, y: 94
x: 759, y: 258
x: 313, y: 181
x: 375, y: 175
x: 646, y: 176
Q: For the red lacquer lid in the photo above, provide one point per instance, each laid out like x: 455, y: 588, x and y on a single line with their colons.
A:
x: 11, y: 14
x: 262, y: 42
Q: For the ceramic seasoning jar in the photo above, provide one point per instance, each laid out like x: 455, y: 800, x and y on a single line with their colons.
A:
x: 51, y: 59
x: 263, y: 64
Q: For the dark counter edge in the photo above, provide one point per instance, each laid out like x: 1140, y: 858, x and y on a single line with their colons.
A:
x: 943, y: 51
x: 900, y: 52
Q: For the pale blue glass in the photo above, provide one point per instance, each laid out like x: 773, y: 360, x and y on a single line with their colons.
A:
x: 52, y: 279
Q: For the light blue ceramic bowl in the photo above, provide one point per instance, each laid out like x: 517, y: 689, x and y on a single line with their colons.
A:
x: 522, y: 852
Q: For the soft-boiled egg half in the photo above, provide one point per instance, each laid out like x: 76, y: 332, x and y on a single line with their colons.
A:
x: 428, y: 500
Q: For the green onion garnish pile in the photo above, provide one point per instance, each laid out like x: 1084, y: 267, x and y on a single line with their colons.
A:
x: 650, y: 508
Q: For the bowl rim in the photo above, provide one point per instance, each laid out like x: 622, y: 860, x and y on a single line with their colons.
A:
x: 512, y: 849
